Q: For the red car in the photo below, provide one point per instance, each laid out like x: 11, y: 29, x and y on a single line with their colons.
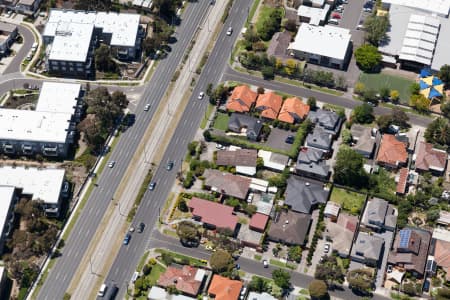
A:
x: 336, y: 15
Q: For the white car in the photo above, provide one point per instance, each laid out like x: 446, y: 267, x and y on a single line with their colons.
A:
x: 250, y: 197
x: 230, y: 31
x: 201, y: 95
x: 265, y: 263
x: 111, y: 164
x: 220, y: 147
x: 147, y: 107
x: 326, y: 248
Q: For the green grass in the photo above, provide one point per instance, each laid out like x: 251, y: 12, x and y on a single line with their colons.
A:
x: 170, y: 233
x: 378, y: 81
x: 276, y: 262
x: 257, y: 257
x: 205, y: 118
x: 349, y: 201
x: 192, y: 261
x: 142, y: 261
x: 252, y: 12
x: 264, y: 14
x: 157, y: 270
x: 221, y: 121
x: 140, y: 195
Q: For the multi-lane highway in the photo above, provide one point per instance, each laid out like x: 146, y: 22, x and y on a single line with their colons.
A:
x: 128, y: 257
x: 65, y: 267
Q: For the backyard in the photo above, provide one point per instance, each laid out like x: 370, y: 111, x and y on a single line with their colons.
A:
x: 349, y: 201
x: 380, y: 80
x: 221, y: 121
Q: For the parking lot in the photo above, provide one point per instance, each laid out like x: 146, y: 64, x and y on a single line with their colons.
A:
x: 277, y: 139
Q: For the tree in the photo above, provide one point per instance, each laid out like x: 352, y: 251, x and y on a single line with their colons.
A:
x: 348, y: 169
x: 182, y: 206
x: 445, y: 109
x: 414, y: 88
x: 281, y: 278
x: 290, y: 67
x: 409, y: 288
x: 89, y: 5
x: 312, y: 102
x: 295, y: 253
x: 221, y: 261
x: 103, y: 61
x: 318, y: 289
x: 394, y: 95
x: 368, y: 58
x: 268, y: 72
x: 438, y: 132
x: 384, y: 93
x: 370, y: 95
x: 376, y: 27
x: 341, y: 83
x: 188, y: 232
x: 329, y: 270
x: 444, y: 75
x: 266, y: 27
x: 359, y: 88
x: 258, y: 284
x: 443, y: 294
x: 420, y: 102
x: 363, y: 114
x: 361, y: 280
x: 400, y: 118
x: 432, y: 215
x: 218, y: 95
x: 347, y: 136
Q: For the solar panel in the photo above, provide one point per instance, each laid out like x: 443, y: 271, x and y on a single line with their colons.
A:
x: 405, y: 235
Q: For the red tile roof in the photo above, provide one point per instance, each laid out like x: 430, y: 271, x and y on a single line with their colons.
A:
x: 403, y: 176
x: 429, y: 158
x: 269, y: 104
x: 392, y: 152
x: 442, y: 256
x: 213, y: 213
x: 224, y: 289
x: 242, y: 99
x: 259, y: 221
x: 238, y: 157
x: 185, y: 279
x: 293, y: 107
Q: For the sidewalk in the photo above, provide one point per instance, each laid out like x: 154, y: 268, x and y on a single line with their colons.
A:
x: 108, y: 236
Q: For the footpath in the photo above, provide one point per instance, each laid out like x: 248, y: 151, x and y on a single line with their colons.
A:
x: 100, y: 256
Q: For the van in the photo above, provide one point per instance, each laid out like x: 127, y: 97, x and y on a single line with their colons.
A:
x: 102, y: 290
x: 134, y: 277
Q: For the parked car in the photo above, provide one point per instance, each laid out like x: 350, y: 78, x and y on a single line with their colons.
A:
x: 141, y: 227
x: 426, y: 286
x: 265, y: 263
x: 333, y: 21
x: 250, y: 197
x: 220, y: 147
x: 326, y: 248
x: 201, y: 95
x: 389, y: 269
x: 360, y: 25
x: 339, y: 10
x: 336, y: 15
x: 127, y: 239
x: 169, y: 165
x: 289, y: 139
x: 111, y: 164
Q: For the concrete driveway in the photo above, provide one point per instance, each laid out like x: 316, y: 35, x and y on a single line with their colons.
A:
x: 277, y: 139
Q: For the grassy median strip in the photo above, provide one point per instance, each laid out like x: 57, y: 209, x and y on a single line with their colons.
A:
x: 140, y: 195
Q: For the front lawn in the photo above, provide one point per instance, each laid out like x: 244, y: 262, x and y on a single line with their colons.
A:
x: 221, y: 121
x: 157, y: 270
x: 380, y: 80
x: 349, y: 201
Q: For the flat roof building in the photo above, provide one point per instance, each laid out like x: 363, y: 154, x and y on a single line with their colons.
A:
x: 48, y: 130
x: 313, y: 15
x: 8, y: 200
x: 438, y: 7
x: 39, y: 184
x: 324, y: 45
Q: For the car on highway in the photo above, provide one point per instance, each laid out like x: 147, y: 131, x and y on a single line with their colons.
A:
x: 169, y: 165
x: 127, y: 239
x: 111, y: 164
x: 102, y: 290
x: 265, y: 263
x: 201, y: 95
x: 131, y: 229
x: 147, y: 107
x: 152, y: 186
x: 141, y: 227
x: 230, y: 31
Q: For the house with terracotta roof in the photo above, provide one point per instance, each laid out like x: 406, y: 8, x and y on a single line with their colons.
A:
x: 293, y: 110
x: 242, y: 99
x: 429, y: 159
x: 223, y: 288
x: 440, y: 249
x: 227, y: 184
x: 269, y: 104
x: 213, y: 214
x: 392, y: 153
x: 187, y: 279
x: 410, y: 250
x: 258, y: 222
x: 341, y: 233
x: 402, y: 181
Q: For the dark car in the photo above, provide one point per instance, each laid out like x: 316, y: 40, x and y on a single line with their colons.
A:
x: 426, y: 286
x: 152, y: 186
x: 141, y: 227
x: 127, y: 239
x: 289, y: 139
x: 169, y: 165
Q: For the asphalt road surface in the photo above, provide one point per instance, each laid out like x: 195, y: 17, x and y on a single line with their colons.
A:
x: 250, y: 266
x: 60, y: 275
x: 304, y: 92
x: 28, y: 40
x: 148, y: 212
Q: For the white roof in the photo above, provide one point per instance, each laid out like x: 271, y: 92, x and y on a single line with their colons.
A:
x: 7, y: 198
x: 440, y: 7
x: 268, y: 162
x: 441, y: 234
x: 71, y: 42
x: 58, y: 97
x: 325, y: 40
x: 332, y: 208
x: 27, y: 125
x: 44, y: 184
x: 315, y: 14
x: 250, y: 171
x: 258, y: 296
x: 444, y: 217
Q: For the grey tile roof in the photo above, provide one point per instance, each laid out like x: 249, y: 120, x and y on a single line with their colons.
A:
x: 370, y: 246
x: 302, y: 194
x: 379, y: 214
x: 290, y: 227
x: 239, y: 121
x: 238, y: 157
x: 320, y: 139
x: 327, y: 119
x: 364, y: 141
